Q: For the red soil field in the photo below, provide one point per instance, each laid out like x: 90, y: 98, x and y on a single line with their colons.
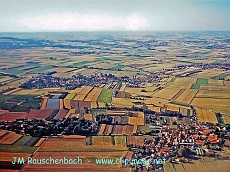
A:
x: 227, y: 83
x: 12, y: 116
x: 2, y: 132
x: 10, y: 138
x: 83, y: 104
x: 117, y: 130
x: 61, y: 114
x: 74, y: 104
x: 39, y: 114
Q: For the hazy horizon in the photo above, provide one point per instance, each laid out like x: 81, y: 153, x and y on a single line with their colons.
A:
x: 112, y: 16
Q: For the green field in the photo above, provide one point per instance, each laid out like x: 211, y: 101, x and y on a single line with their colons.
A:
x: 79, y: 64
x: 105, y: 96
x: 42, y: 69
x: 221, y: 76
x: 117, y: 67
x: 9, y: 102
x: 199, y: 82
x: 202, y: 81
x: 195, y: 86
x: 22, y: 140
x: 17, y: 149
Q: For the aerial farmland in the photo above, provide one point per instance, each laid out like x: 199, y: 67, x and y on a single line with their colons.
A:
x: 119, y: 96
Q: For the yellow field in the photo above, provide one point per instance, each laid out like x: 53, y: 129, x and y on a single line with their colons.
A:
x: 101, y: 131
x: 27, y: 92
x: 205, y: 115
x: 212, y: 87
x: 88, y: 116
x: 122, y: 102
x: 208, y: 73
x: 136, y: 121
x: 82, y: 94
x: 76, y: 90
x: 123, y: 87
x: 156, y: 101
x: 167, y: 93
x: 183, y: 83
x: 70, y: 96
x: 44, y: 103
x: 12, y: 91
x: 217, y: 105
x: 215, y: 82
x: 213, y: 94
x: 60, y: 103
x: 187, y: 96
x: 67, y: 104
x: 93, y: 95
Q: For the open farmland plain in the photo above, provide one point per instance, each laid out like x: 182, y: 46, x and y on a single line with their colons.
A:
x: 121, y: 95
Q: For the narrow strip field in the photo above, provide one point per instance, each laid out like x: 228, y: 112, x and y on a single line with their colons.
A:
x: 105, y: 96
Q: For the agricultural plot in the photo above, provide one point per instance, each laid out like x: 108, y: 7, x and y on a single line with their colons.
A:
x: 85, y: 166
x: 167, y: 93
x: 215, y: 82
x: 102, y: 140
x: 122, y: 102
x: 8, y: 156
x: 2, y: 133
x: 88, y: 117
x: 19, y: 103
x: 83, y: 93
x: 120, y: 140
x: 12, y: 91
x: 215, y: 94
x: 207, y: 166
x: 39, y: 142
x: 67, y: 104
x: 187, y: 96
x: 102, y: 128
x: 39, y: 114
x: 136, y: 121
x: 93, y: 95
x: 105, y: 96
x: 183, y: 83
x: 123, y: 130
x: 27, y: 92
x: 159, y: 102
x: 108, y: 129
x: 217, y: 105
x: 61, y: 114
x: 221, y: 76
x: 178, y: 94
x: 12, y: 116
x: 206, y: 116
x: 53, y: 104
x: 9, y: 138
x: 137, y: 140
x: 78, y: 145
x: 227, y: 83
x: 44, y: 103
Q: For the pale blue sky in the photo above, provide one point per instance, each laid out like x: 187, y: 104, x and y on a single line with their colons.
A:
x: 120, y: 15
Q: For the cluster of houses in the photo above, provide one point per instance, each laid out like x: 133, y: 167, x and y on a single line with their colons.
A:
x: 47, y: 81
x: 179, y: 144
